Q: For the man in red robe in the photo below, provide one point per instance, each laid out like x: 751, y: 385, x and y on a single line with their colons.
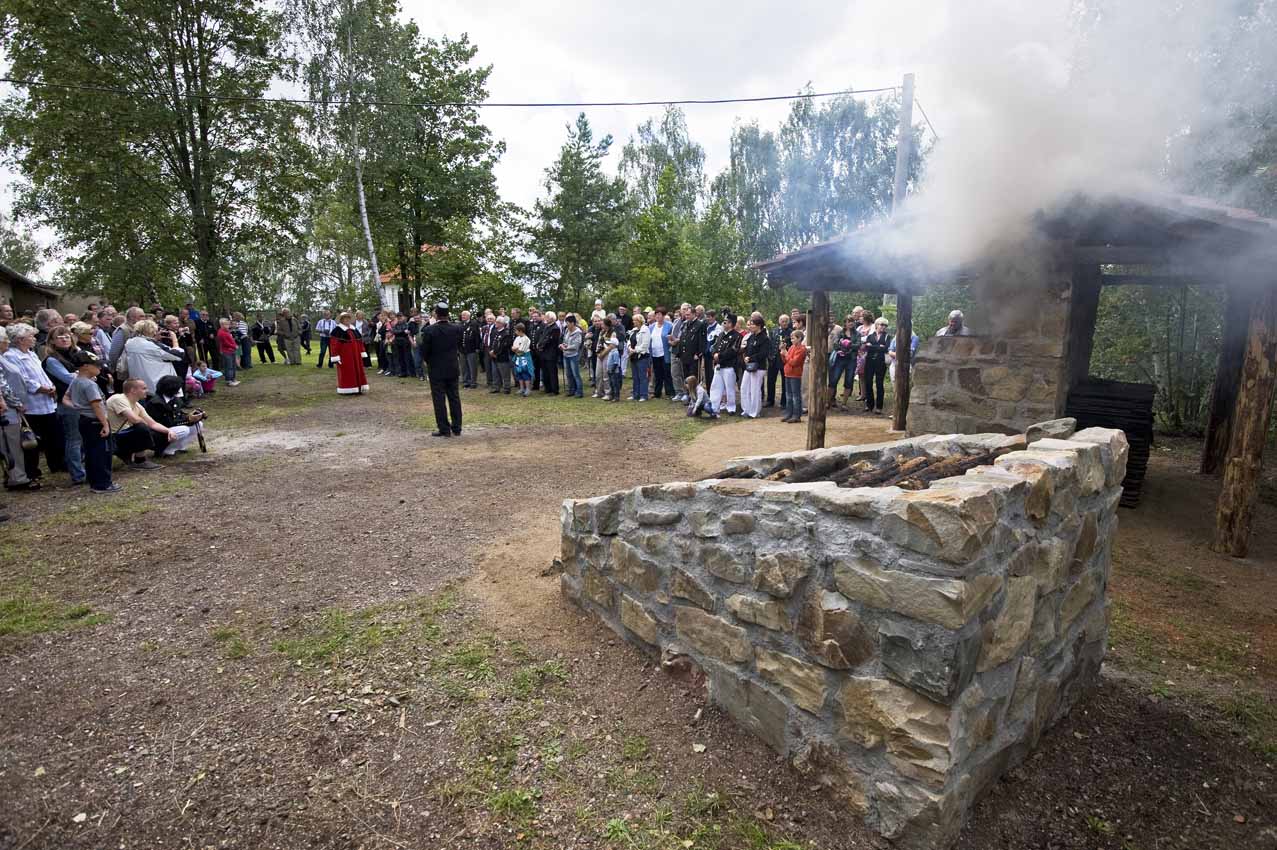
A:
x: 346, y: 351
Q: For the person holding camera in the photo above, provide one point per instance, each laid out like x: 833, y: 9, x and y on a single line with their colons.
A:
x: 167, y: 407
x: 150, y: 355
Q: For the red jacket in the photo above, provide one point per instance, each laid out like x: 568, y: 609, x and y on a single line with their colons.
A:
x: 225, y: 342
x: 794, y: 358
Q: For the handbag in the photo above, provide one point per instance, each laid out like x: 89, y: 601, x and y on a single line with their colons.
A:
x: 29, y: 442
x: 751, y: 366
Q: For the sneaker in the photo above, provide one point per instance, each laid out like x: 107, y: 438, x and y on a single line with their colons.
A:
x: 232, y: 383
x: 145, y: 464
x: 114, y: 488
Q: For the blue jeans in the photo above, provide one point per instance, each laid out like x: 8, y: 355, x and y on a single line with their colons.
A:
x: 228, y: 366
x: 246, y: 353
x: 794, y: 398
x: 614, y: 380
x: 416, y: 362
x: 840, y: 367
x: 572, y: 372
x: 72, y: 444
x: 639, y: 367
x: 97, y: 451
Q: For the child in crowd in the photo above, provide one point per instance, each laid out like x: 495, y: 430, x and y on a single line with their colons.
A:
x: 794, y: 358
x: 613, y: 365
x: 522, y: 359
x: 86, y: 399
x: 698, y: 399
x: 205, y: 378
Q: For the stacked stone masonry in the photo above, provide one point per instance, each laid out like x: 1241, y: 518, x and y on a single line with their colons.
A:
x: 902, y: 648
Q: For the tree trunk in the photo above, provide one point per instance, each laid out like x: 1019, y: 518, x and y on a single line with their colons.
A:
x: 1223, y: 397
x: 359, y: 165
x: 1251, y: 416
x: 904, y: 360
x: 819, y: 403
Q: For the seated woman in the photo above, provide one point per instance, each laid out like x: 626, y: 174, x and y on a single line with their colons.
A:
x: 168, y: 408
x: 134, y: 430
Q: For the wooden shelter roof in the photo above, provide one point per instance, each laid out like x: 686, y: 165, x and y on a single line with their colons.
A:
x: 1183, y: 231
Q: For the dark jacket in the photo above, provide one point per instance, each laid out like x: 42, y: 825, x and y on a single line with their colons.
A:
x: 499, y: 343
x: 727, y: 347
x: 440, y: 344
x: 470, y: 341
x: 876, y: 347
x: 547, y: 342
x: 691, y: 339
x: 758, y: 349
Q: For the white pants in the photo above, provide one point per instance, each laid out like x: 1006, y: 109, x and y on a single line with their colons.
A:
x: 723, y: 387
x: 184, y: 435
x: 751, y: 393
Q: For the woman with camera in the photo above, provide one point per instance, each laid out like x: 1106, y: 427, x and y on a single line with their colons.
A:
x: 150, y: 355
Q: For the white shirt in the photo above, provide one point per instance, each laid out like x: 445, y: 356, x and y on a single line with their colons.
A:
x: 148, y: 361
x: 658, y: 340
x: 26, y: 377
x: 325, y: 326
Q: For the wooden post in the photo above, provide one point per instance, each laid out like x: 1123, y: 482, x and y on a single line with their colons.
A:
x: 904, y: 360
x: 1251, y: 413
x: 904, y: 302
x: 1079, y: 341
x: 1228, y: 374
x: 818, y: 342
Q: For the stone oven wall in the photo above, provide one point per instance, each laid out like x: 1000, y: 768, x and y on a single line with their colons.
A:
x: 1009, y: 375
x: 903, y: 648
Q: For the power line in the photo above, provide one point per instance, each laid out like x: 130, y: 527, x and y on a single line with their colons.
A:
x: 925, y: 118
x: 449, y: 103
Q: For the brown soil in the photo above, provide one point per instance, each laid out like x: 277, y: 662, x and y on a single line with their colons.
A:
x: 500, y: 717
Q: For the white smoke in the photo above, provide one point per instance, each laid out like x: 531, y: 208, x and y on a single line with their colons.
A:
x: 1044, y: 99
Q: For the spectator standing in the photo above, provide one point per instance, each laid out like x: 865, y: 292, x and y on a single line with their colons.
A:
x: 547, y: 343
x: 261, y: 332
x: 659, y: 349
x: 501, y: 340
x: 324, y: 327
x: 37, y: 395
x: 710, y: 332
x: 572, y: 346
x: 956, y: 326
x: 85, y: 398
x: 11, y: 407
x: 229, y: 349
x: 794, y: 357
x: 521, y: 359
x: 440, y: 345
x: 612, y: 358
x: 722, y: 391
x: 877, y: 344
x: 676, y: 363
x: 756, y: 354
x: 891, y: 355
x: 687, y: 350
x: 470, y: 346
x: 60, y: 364
x: 239, y: 330
x: 305, y: 334
x: 640, y: 338
x: 147, y: 357
x: 598, y: 353
x: 778, y: 340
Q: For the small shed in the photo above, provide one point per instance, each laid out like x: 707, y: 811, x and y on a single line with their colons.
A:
x: 24, y: 293
x: 1037, y: 297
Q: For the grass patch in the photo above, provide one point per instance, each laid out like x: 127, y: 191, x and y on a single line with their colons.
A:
x: 234, y: 646
x: 514, y: 804
x: 1257, y: 718
x: 337, y: 634
x: 529, y: 680
x: 24, y: 614
x: 635, y: 748
x: 136, y: 500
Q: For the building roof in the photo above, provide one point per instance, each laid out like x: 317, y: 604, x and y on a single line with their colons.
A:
x: 17, y: 278
x: 393, y: 274
x: 1177, y: 230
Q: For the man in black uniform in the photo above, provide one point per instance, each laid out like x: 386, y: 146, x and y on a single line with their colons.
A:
x: 546, y: 350
x: 470, y: 344
x: 534, y: 327
x: 440, y: 345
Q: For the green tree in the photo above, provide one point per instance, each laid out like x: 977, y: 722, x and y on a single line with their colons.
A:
x: 658, y: 150
x: 18, y: 250
x: 178, y: 172
x: 582, y: 222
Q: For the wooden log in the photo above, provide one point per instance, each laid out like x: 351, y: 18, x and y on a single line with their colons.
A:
x: 818, y: 469
x: 1251, y: 414
x: 1228, y: 374
x: 944, y: 468
x: 818, y: 342
x: 730, y: 472
x: 904, y: 360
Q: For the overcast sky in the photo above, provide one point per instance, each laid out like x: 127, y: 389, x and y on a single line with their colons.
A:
x: 572, y: 50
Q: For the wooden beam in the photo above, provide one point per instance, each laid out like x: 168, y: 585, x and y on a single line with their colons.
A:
x: 1240, y: 490
x: 904, y: 360
x: 1126, y: 255
x: 818, y: 340
x: 1079, y: 340
x: 1149, y: 280
x: 1228, y: 375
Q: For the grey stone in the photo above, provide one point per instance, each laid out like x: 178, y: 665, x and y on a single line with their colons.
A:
x: 635, y: 618
x: 752, y: 706
x: 634, y: 570
x: 767, y: 613
x: 781, y: 530
x: 1006, y: 633
x: 704, y: 524
x: 652, y: 516
x: 833, y: 632
x: 684, y: 586
x: 778, y: 573
x: 947, y: 602
x: 711, y: 635
x: 730, y: 566
x: 936, y: 662
x: 1059, y: 429
x: 802, y: 682
x: 951, y: 523
x: 738, y: 522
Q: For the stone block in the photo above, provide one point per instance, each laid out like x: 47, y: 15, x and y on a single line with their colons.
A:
x: 567, y: 547
x: 833, y: 632
x: 597, y: 589
x: 1058, y: 429
x: 752, y: 706
x: 1044, y: 618
x: 936, y: 662
x: 778, y: 573
x: 704, y: 524
x: 738, y: 522
x: 712, y: 635
x: 820, y: 760
x: 632, y: 569
x: 783, y: 529
x: 969, y: 380
x: 767, y: 613
x: 1076, y: 599
x: 1087, y: 537
x: 1090, y: 462
x: 635, y: 618
x: 1005, y: 383
x: 1037, y: 500
x: 721, y: 562
x: 740, y: 486
x: 947, y: 602
x: 950, y: 523
x: 685, y: 586
x: 1006, y: 633
x: 1024, y: 697
x: 915, y: 730
x: 604, y: 514
x: 1044, y: 560
x: 802, y: 682
x: 857, y: 502
x: 658, y: 516
x: 1114, y: 450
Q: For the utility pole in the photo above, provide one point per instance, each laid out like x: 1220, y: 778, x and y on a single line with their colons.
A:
x: 904, y: 300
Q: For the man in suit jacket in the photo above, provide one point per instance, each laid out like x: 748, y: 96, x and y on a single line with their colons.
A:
x: 546, y: 345
x: 440, y: 347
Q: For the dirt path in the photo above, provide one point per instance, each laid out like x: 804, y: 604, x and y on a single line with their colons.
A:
x: 335, y: 631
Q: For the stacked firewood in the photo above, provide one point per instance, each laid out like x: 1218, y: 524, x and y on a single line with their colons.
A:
x: 903, y: 471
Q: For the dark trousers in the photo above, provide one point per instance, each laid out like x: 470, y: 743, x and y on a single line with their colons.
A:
x: 773, y: 370
x: 661, y: 377
x: 470, y: 369
x: 48, y: 432
x: 403, y: 358
x: 97, y: 453
x: 265, y: 350
x: 874, y: 374
x: 305, y: 342
x: 323, y: 349
x: 550, y: 375
x: 130, y: 441
x: 707, y: 373
x: 536, y: 371
x: 614, y: 381
x: 447, y: 398
x: 490, y: 369
x: 245, y: 353
x: 689, y: 371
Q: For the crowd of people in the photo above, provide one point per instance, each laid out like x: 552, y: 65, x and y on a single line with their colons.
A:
x: 81, y: 389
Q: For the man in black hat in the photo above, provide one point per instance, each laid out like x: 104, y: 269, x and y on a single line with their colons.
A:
x: 440, y: 344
